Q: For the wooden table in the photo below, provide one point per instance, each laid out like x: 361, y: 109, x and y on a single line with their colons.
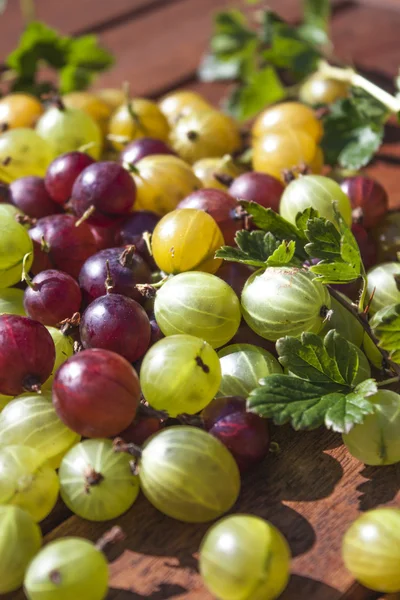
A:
x: 312, y: 490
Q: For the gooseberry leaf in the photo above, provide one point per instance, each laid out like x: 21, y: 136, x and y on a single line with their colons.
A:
x: 283, y: 255
x: 268, y: 220
x: 353, y: 130
x: 318, y: 388
x: 291, y: 51
x: 231, y: 35
x: 331, y: 360
x: 302, y: 219
x: 256, y: 248
x: 261, y: 89
x: 336, y: 247
x: 385, y: 324
x: 76, y: 59
x: 315, y: 27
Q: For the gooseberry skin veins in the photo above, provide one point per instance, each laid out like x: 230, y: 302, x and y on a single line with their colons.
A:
x: 20, y: 541
x: 376, y: 440
x: 371, y: 549
x: 180, y: 374
x: 242, y: 367
x: 27, y: 481
x: 15, y: 244
x: 188, y: 474
x: 108, y: 497
x: 198, y: 304
x: 293, y: 301
x: 65, y: 569
x: 381, y: 281
x: 31, y: 420
x: 178, y: 242
x: 243, y: 557
x: 318, y: 192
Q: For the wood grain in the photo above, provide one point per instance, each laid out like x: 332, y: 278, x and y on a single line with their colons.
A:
x: 74, y: 17
x: 154, y: 61
x: 312, y: 490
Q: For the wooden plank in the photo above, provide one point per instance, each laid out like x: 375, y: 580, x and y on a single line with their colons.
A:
x: 367, y: 36
x: 153, y: 60
x: 312, y: 490
x: 382, y: 4
x: 143, y: 59
x: 77, y: 16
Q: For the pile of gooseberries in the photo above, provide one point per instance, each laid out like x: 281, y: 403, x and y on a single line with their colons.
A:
x: 128, y: 349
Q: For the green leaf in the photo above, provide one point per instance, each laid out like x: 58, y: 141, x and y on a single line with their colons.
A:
x: 268, y: 220
x: 254, y: 248
x: 353, y: 131
x: 319, y: 387
x: 261, y: 89
x: 73, y: 77
x: 352, y: 409
x: 38, y: 42
x: 212, y: 68
x: 339, y: 251
x: 324, y: 239
x: 316, y: 21
x: 77, y: 59
x: 332, y: 361
x: 283, y: 255
x: 86, y: 52
x: 289, y: 51
x: 231, y: 34
x: 361, y: 146
x: 288, y: 399
x: 385, y: 324
x: 269, y: 20
x: 302, y: 219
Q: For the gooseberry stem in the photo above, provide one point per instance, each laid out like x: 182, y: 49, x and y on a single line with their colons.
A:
x: 144, y: 410
x: 363, y: 320
x: 25, y: 275
x: 363, y: 295
x: 120, y: 446
x: 146, y: 236
x: 126, y: 257
x: 350, y: 76
x: 114, y: 535
x: 109, y: 282
x: 388, y: 381
x: 88, y: 213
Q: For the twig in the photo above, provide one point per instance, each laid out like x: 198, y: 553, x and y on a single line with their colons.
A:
x: 350, y: 76
x: 363, y: 320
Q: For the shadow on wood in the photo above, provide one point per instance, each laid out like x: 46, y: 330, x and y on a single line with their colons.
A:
x: 305, y: 588
x: 164, y: 591
x: 381, y: 487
